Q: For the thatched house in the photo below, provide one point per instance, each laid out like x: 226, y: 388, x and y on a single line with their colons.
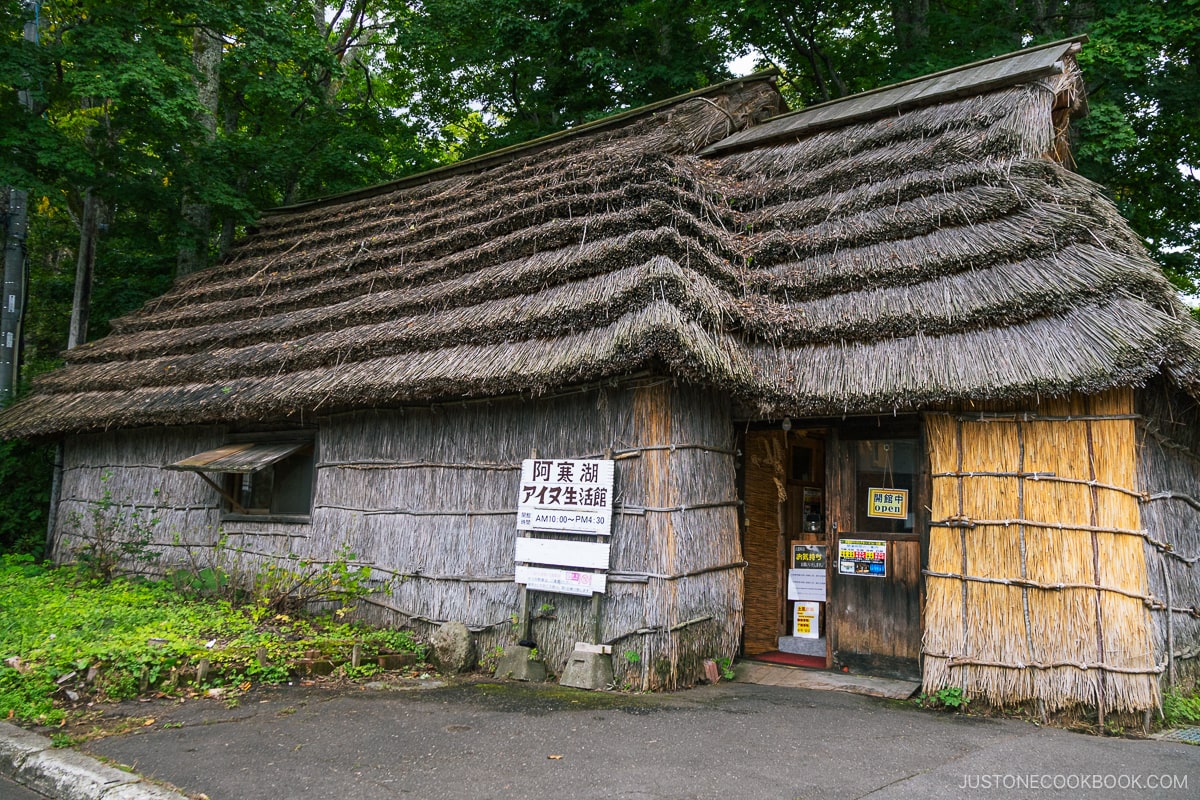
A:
x: 896, y: 326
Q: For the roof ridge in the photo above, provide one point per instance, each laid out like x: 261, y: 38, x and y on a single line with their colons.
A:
x: 907, y: 94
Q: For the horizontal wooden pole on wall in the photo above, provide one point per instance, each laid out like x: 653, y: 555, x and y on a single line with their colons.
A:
x: 966, y: 522
x: 964, y: 661
x: 1048, y: 477
x: 985, y: 416
x: 499, y: 512
x: 380, y: 464
x: 1026, y: 583
x: 1187, y: 498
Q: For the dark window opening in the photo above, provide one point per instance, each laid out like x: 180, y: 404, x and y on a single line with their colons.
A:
x: 282, y: 488
x: 259, y: 477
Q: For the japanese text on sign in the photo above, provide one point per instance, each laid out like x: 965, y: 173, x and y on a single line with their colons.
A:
x: 561, y: 581
x: 806, y: 578
x: 862, y: 557
x: 570, y: 496
x: 887, y: 503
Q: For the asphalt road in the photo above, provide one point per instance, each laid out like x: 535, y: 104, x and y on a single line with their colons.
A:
x: 727, y: 741
x: 14, y: 791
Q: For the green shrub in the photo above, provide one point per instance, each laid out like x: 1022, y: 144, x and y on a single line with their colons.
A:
x: 1180, y: 709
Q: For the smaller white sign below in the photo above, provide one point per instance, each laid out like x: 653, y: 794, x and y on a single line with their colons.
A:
x: 561, y: 581
x: 808, y: 621
x: 590, y: 555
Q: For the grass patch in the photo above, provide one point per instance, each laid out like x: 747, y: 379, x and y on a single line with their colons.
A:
x: 64, y: 639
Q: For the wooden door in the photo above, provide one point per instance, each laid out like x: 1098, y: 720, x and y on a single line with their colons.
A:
x: 876, y: 589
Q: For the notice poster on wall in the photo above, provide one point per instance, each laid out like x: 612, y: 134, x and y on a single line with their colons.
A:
x: 806, y: 578
x: 807, y: 621
x: 862, y: 557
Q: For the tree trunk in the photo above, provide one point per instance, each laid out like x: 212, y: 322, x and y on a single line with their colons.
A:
x: 910, y: 20
x: 197, y: 215
x: 89, y: 225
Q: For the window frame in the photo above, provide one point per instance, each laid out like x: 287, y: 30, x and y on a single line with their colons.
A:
x: 227, y: 482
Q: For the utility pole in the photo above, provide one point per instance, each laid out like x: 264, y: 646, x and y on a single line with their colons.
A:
x: 12, y: 312
x: 16, y: 226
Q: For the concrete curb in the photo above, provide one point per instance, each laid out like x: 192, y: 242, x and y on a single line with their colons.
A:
x: 66, y: 774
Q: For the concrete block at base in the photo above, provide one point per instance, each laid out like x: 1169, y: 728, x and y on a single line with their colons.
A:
x: 18, y: 744
x: 70, y: 775
x: 586, y: 670
x: 516, y: 664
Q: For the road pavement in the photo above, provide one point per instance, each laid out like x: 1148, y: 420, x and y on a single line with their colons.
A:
x: 732, y: 740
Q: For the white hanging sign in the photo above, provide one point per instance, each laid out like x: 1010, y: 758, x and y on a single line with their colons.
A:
x: 566, y: 496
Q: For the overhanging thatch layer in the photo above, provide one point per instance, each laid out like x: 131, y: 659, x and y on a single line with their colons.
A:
x: 928, y: 255
x: 1036, y: 582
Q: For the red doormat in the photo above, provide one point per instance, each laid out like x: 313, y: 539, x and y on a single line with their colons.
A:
x: 791, y: 659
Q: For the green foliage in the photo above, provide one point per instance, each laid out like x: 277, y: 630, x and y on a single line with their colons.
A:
x: 537, y: 67
x: 491, y: 659
x: 117, y: 538
x: 632, y: 657
x: 135, y: 635
x: 276, y: 587
x: 25, y: 472
x: 951, y: 698
x: 1180, y: 708
x: 725, y: 667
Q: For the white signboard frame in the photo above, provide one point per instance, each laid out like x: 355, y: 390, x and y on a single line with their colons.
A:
x: 566, y: 496
x: 589, y: 555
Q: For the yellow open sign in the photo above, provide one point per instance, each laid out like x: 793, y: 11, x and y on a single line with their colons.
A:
x: 887, y: 503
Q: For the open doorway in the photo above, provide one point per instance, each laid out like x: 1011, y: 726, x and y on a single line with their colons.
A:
x: 833, y: 540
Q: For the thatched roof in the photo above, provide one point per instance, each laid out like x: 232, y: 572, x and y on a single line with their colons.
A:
x: 876, y: 255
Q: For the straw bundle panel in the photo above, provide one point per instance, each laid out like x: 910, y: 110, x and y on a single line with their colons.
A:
x: 115, y: 481
x: 1031, y: 628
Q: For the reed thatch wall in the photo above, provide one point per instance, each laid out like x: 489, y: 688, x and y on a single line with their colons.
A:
x: 115, y: 480
x: 427, y: 497
x: 1037, y: 585
x: 1169, y: 478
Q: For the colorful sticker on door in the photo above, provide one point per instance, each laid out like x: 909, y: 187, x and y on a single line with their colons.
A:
x: 862, y: 557
x: 887, y: 503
